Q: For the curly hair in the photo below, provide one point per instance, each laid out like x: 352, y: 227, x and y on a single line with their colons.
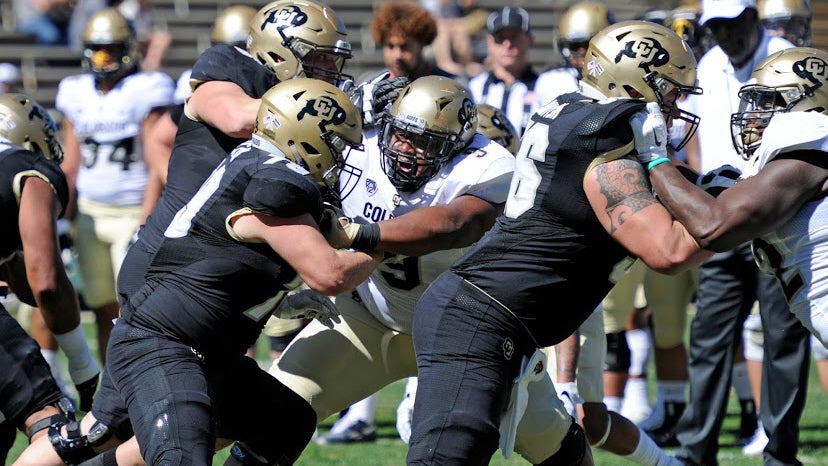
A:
x: 405, y: 18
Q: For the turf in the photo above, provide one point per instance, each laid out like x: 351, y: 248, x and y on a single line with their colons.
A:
x: 389, y: 450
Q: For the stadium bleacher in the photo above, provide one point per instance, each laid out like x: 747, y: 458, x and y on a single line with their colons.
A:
x: 189, y: 22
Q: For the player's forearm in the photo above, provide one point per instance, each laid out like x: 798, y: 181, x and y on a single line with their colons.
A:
x: 346, y: 270
x: 566, y: 358
x: 432, y: 229
x: 691, y: 206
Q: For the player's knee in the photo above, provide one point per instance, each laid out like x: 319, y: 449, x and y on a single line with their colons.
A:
x: 283, y: 442
x: 618, y: 353
x: 72, y: 447
x: 572, y: 451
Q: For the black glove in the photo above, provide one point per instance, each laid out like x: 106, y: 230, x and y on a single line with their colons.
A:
x: 385, y: 92
x: 86, y: 392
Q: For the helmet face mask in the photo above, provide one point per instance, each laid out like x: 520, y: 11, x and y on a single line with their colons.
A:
x: 314, y: 124
x: 300, y: 38
x: 644, y: 60
x: 790, y: 19
x: 109, y: 48
x: 26, y: 123
x: 791, y: 80
x: 432, y: 120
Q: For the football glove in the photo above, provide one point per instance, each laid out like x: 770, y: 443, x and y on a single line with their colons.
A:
x: 717, y: 180
x: 650, y: 131
x: 385, y: 93
x: 337, y: 228
x: 308, y: 304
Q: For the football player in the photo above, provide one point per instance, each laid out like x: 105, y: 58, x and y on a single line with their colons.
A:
x: 781, y: 129
x: 224, y: 263
x: 493, y: 123
x: 790, y: 19
x: 34, y: 194
x: 427, y: 185
x: 107, y: 111
x: 572, y: 215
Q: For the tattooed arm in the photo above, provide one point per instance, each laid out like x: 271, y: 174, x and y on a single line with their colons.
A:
x: 619, y: 193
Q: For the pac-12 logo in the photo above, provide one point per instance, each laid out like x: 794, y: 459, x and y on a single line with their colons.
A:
x: 814, y: 70
x: 648, y: 50
x: 284, y: 17
x: 326, y: 109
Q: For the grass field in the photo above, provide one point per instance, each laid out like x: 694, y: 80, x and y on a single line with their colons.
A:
x: 389, y: 450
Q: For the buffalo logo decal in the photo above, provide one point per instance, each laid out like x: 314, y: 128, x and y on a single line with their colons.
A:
x: 284, y: 17
x: 648, y: 50
x: 815, y: 70
x: 326, y: 109
x: 467, y: 114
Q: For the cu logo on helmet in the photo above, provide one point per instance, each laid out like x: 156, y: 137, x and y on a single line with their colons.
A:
x: 467, y: 113
x: 814, y: 70
x: 326, y: 109
x: 648, y: 50
x: 284, y: 17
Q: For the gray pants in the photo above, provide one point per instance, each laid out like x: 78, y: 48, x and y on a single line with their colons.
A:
x: 729, y: 284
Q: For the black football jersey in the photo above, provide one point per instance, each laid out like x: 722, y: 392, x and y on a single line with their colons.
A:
x: 16, y: 164
x: 198, y: 149
x: 203, y: 286
x: 548, y: 259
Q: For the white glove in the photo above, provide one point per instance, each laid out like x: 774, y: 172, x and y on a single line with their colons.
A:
x: 337, y: 228
x: 308, y: 304
x: 717, y: 180
x: 568, y: 393
x: 650, y: 132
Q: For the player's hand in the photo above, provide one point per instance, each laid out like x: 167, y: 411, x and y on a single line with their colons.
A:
x: 717, y: 180
x: 337, y: 228
x: 650, y: 131
x: 385, y: 93
x: 308, y: 304
x: 86, y: 392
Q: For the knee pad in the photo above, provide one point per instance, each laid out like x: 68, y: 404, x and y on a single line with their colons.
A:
x: 283, y: 443
x: 98, y: 434
x: 72, y: 448
x: 618, y: 353
x: 66, y: 415
x: 572, y: 451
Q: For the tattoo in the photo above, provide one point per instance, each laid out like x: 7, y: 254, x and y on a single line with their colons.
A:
x: 626, y: 187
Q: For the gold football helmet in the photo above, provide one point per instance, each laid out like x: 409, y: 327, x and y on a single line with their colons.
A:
x: 791, y: 80
x: 432, y: 120
x: 300, y: 38
x: 644, y: 60
x: 26, y: 123
x: 232, y: 25
x: 110, y: 51
x: 494, y: 124
x: 313, y: 123
x: 578, y: 24
x: 790, y: 19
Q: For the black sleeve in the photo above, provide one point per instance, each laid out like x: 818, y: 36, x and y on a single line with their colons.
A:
x: 56, y: 178
x: 225, y: 63
x: 282, y: 192
x: 614, y: 131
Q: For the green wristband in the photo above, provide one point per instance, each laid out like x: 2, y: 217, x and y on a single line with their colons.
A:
x: 657, y: 162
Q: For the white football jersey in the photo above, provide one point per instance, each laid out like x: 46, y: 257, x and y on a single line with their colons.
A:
x: 797, y: 252
x: 391, y: 293
x: 108, y: 127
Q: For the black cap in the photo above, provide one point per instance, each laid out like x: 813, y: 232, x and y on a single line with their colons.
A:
x: 508, y: 17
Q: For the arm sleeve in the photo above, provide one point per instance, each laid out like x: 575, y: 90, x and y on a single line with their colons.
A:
x: 281, y: 192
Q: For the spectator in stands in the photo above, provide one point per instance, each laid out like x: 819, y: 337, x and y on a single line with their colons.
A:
x: 153, y: 40
x: 453, y: 49
x: 510, y: 83
x: 9, y: 78
x: 46, y: 20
